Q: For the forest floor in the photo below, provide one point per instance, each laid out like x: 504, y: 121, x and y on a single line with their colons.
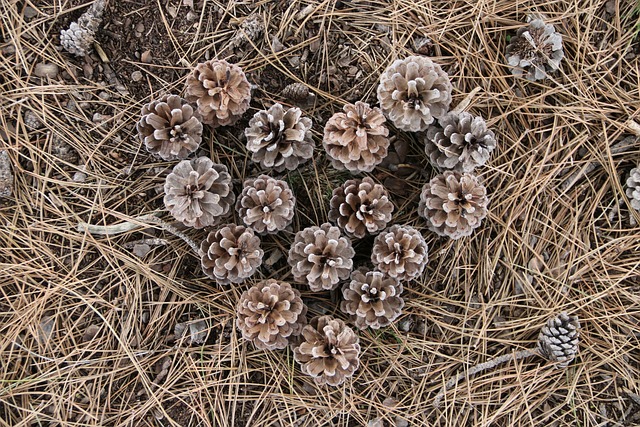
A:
x: 88, y: 324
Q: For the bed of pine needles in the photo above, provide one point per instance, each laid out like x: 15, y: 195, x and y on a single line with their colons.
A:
x: 87, y: 324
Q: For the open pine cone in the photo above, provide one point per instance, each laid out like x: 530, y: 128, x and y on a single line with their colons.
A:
x: 633, y: 188
x: 169, y: 128
x: 558, y: 339
x: 413, y: 92
x: 269, y: 313
x: 372, y: 298
x: 360, y: 207
x: 460, y: 141
x: 320, y: 257
x: 454, y: 204
x: 79, y: 37
x: 400, y: 252
x: 231, y: 254
x: 198, y: 192
x: 330, y: 351
x: 220, y: 90
x: 356, y: 139
x: 536, y: 50
x: 280, y: 139
x: 266, y: 204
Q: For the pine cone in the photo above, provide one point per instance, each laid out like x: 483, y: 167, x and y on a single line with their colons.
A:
x: 321, y: 257
x: 269, y: 313
x: 360, y: 207
x: 413, y: 92
x: 80, y: 36
x: 536, y: 50
x: 454, y: 204
x: 169, y: 128
x: 330, y: 351
x: 198, y: 192
x: 460, y: 141
x: 31, y: 120
x: 280, y: 139
x: 558, y: 339
x: 633, y: 188
x: 231, y: 254
x: 356, y: 139
x: 266, y: 204
x: 220, y: 90
x: 373, y: 298
x: 400, y: 252
x: 6, y: 175
x: 296, y: 92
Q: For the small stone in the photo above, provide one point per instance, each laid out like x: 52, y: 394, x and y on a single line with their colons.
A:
x: 44, y: 69
x: 192, y: 16
x: 30, y: 12
x: 87, y: 70
x: 79, y: 177
x: 140, y: 250
x: 97, y: 117
x: 104, y: 96
x: 139, y: 28
x: 146, y: 56
x: 276, y: 45
x: 136, y: 76
x: 90, y: 333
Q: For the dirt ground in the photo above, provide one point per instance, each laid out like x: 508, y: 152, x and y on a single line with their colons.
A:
x: 87, y: 323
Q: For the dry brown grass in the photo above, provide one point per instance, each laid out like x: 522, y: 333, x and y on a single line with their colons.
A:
x: 478, y: 298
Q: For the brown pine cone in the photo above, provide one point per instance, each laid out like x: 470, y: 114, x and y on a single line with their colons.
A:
x: 558, y: 339
x: 330, y: 351
x: 360, y: 207
x: 356, y: 139
x: 266, y: 204
x: 199, y: 192
x: 400, y: 252
x: 454, y: 204
x: 536, y: 50
x: 280, y: 139
x: 169, y: 128
x: 231, y: 254
x: 459, y: 141
x: 220, y: 90
x: 413, y: 92
x: 372, y: 298
x: 320, y: 257
x: 633, y: 188
x: 269, y: 313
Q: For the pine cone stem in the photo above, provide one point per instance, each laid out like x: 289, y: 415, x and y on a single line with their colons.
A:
x: 489, y: 364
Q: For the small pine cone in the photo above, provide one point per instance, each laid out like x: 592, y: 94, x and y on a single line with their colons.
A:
x: 199, y: 192
x: 330, y: 351
x: 280, y: 139
x: 250, y: 30
x: 295, y: 92
x: 400, y: 252
x: 266, y: 204
x: 360, y: 207
x: 169, y: 128
x: 6, y: 175
x: 321, y: 257
x: 220, y: 90
x: 231, y: 254
x: 373, y: 298
x: 80, y: 36
x: 535, y: 50
x: 558, y: 339
x: 460, y: 141
x: 413, y: 92
x: 454, y: 204
x: 633, y: 188
x: 269, y: 313
x: 356, y: 139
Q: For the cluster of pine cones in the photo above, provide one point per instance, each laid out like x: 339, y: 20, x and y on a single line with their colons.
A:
x: 414, y: 94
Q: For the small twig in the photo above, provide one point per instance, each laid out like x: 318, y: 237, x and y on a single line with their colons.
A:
x: 150, y: 242
x: 139, y: 221
x: 479, y: 368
